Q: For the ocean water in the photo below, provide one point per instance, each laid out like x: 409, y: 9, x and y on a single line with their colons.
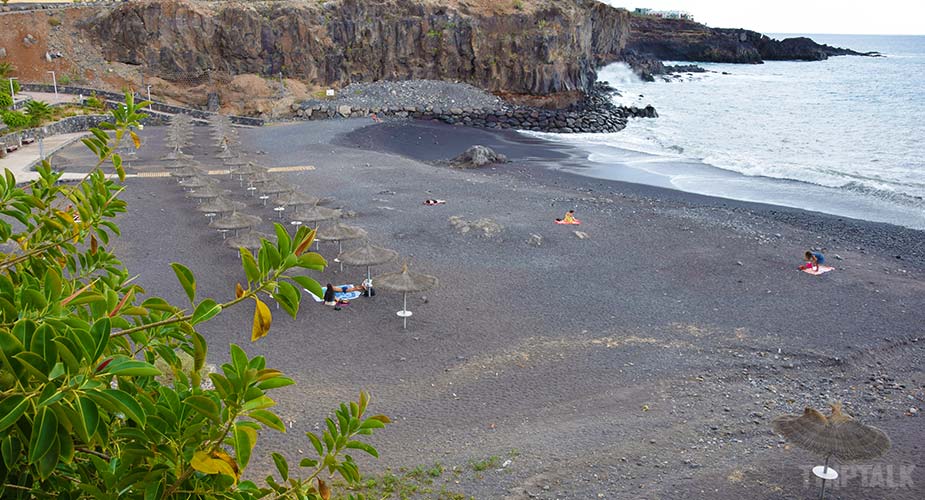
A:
x: 844, y: 136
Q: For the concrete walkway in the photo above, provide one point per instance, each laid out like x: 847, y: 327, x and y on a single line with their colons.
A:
x: 21, y: 161
x: 50, y: 97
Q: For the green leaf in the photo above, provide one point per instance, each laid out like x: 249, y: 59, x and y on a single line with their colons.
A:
x: 309, y: 285
x: 238, y: 359
x: 316, y: 443
x: 275, y: 382
x: 89, y: 417
x: 44, y: 434
x: 125, y: 367
x: 11, y: 448
x: 359, y: 445
x: 268, y: 418
x: 288, y: 297
x: 244, y: 439
x: 34, y: 299
x: 127, y: 405
x: 98, y: 338
x: 48, y: 461
x: 206, y: 310
x: 33, y: 363
x: 11, y: 408
x: 249, y: 265
x: 205, y: 406
x: 43, y: 345
x: 186, y: 279
x: 258, y: 403
x: 312, y: 260
x: 372, y: 423
x: 307, y: 462
x: 283, y: 241
x: 200, y: 349
x: 281, y: 465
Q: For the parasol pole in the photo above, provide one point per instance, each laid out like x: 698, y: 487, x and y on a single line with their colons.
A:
x: 825, y: 470
x: 404, y: 319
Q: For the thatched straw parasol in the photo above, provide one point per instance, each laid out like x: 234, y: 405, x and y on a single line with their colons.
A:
x: 249, y: 240
x: 340, y: 233
x: 275, y: 187
x: 205, y: 193
x: 406, y: 281
x: 235, y: 221
x: 315, y: 214
x: 367, y: 255
x: 219, y: 205
x: 200, y: 181
x: 178, y: 164
x: 186, y: 172
x: 837, y: 435
x: 296, y: 199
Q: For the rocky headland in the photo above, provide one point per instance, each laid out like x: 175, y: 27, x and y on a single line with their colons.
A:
x: 277, y: 58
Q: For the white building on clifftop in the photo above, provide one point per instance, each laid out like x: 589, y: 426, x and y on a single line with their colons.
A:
x: 666, y: 14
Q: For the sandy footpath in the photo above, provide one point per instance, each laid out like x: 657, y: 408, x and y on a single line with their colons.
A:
x: 645, y: 360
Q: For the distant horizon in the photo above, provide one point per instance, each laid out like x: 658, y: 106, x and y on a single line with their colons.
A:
x: 820, y: 17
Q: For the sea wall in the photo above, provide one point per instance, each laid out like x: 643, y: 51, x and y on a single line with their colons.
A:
x: 595, y: 113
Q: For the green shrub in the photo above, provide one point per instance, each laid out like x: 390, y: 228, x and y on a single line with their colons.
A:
x: 5, y: 101
x: 94, y: 103
x: 84, y: 410
x: 38, y: 111
x: 15, y: 119
x: 54, y: 21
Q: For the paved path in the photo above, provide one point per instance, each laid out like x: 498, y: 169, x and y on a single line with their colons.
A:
x: 50, y: 97
x: 20, y: 162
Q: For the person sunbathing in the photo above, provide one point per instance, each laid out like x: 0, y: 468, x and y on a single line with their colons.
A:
x: 569, y: 218
x: 432, y: 202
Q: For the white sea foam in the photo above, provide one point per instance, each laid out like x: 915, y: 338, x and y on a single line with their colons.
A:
x: 850, y: 126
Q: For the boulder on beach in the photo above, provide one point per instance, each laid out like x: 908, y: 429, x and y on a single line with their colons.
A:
x: 477, y: 156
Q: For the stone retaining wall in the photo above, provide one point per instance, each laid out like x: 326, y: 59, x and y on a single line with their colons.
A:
x: 155, y: 106
x: 70, y: 125
x: 596, y: 113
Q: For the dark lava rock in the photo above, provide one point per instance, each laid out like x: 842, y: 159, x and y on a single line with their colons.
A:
x: 477, y: 156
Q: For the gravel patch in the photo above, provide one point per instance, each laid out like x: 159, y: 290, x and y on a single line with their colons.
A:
x: 412, y: 93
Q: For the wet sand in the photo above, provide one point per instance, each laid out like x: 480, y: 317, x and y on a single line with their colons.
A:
x: 643, y: 361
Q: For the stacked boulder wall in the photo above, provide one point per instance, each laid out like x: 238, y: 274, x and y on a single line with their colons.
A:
x: 534, y: 47
x: 685, y: 40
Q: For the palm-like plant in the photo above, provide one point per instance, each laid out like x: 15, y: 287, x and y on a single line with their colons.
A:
x: 6, y: 69
x: 39, y: 111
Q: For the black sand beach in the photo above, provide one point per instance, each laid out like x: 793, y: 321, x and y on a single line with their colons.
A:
x: 645, y: 360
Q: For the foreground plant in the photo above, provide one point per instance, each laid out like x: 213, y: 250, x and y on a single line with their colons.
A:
x: 84, y: 410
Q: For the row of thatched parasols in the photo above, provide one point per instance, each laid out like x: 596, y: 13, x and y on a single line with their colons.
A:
x: 225, y: 215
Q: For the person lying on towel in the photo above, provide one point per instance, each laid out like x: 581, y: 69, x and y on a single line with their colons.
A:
x: 331, y: 291
x: 569, y: 218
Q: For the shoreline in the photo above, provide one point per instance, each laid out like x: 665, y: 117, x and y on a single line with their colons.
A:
x: 908, y: 243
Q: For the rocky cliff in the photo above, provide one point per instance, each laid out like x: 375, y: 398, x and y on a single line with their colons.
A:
x: 683, y: 40
x: 535, y: 47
